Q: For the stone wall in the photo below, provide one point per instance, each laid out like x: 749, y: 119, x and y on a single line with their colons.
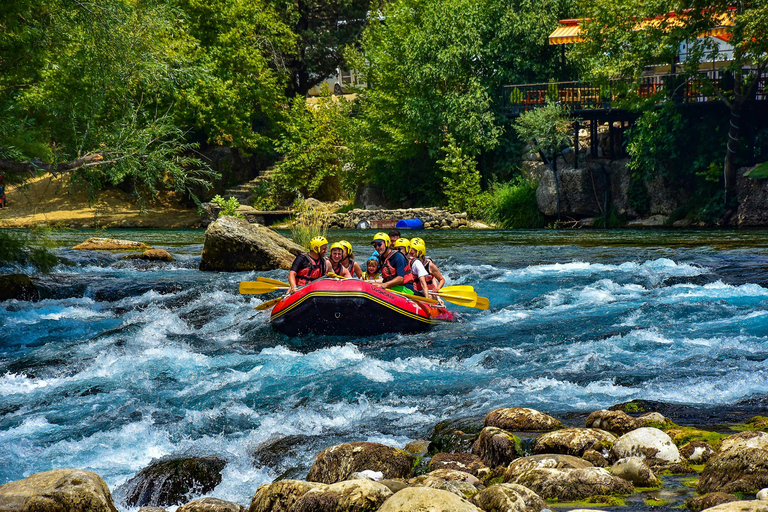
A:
x: 433, y: 218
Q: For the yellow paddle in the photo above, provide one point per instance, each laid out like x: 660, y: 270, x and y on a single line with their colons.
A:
x: 268, y: 304
x: 257, y: 288
x: 457, y: 288
x: 271, y: 281
x: 482, y: 303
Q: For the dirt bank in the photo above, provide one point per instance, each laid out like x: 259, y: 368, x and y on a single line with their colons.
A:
x: 54, y: 202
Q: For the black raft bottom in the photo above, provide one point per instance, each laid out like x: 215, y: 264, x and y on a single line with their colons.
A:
x: 347, y: 316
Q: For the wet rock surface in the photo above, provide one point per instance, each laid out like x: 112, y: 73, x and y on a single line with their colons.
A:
x: 337, y: 463
x: 59, y: 490
x: 521, y: 419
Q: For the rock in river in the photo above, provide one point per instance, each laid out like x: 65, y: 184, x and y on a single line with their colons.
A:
x: 521, y: 419
x: 111, y: 244
x: 19, y: 287
x: 337, y: 463
x: 57, y: 490
x: 234, y: 245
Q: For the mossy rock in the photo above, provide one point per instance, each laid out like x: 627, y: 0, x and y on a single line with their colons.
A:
x: 19, y: 287
x: 455, y: 435
x: 758, y: 423
x: 684, y: 435
x: 337, y: 463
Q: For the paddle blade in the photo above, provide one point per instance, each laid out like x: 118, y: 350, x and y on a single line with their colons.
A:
x: 268, y: 304
x: 457, y: 288
x: 271, y: 281
x: 460, y: 301
x: 417, y: 298
x: 256, y: 288
x: 482, y: 303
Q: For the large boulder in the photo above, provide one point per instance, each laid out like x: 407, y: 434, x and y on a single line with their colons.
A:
x: 111, y: 244
x: 59, y: 490
x: 574, y: 441
x: 520, y: 466
x: 455, y: 434
x: 349, y: 495
x: 234, y: 245
x: 573, y: 484
x: 210, y: 505
x: 172, y: 481
x: 497, y: 447
x: 280, y: 496
x: 19, y: 287
x: 578, y: 195
x: 747, y: 439
x: 508, y: 498
x: 762, y: 494
x: 616, y: 422
x: 736, y: 470
x: 337, y: 463
x: 521, y: 419
x: 457, y: 482
x: 425, y: 499
x: 648, y: 442
x: 636, y: 471
x: 753, y: 196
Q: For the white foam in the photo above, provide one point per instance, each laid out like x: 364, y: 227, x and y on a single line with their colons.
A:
x: 660, y: 267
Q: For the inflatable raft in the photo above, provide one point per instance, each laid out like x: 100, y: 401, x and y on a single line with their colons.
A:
x: 353, y: 307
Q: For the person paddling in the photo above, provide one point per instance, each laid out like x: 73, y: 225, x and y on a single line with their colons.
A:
x: 420, y: 274
x: 435, y: 278
x: 349, y: 260
x: 309, y: 266
x: 337, y: 254
x: 393, y: 266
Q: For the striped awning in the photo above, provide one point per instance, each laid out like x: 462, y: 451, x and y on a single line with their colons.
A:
x: 569, y: 31
x: 565, y: 34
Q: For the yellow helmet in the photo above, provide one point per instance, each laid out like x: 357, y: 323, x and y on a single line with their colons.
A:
x: 403, y: 242
x: 347, y: 246
x: 383, y: 237
x: 316, y: 243
x: 417, y: 244
x: 337, y: 245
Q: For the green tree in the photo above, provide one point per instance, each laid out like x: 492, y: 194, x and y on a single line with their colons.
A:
x: 88, y: 89
x: 435, y: 67
x: 619, y: 47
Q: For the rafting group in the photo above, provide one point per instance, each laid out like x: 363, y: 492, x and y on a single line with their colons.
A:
x: 397, y: 263
x: 400, y: 290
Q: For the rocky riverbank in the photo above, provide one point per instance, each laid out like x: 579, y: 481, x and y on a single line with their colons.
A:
x: 514, y: 459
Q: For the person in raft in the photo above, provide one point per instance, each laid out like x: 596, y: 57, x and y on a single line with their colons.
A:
x: 349, y: 261
x: 435, y: 279
x: 420, y: 274
x: 309, y: 266
x: 337, y: 254
x: 393, y: 236
x: 372, y: 270
x: 395, y: 272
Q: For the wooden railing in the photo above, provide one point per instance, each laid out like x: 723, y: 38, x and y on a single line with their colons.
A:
x: 517, y: 99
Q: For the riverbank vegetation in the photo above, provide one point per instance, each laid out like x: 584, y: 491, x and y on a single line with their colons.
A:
x: 135, y: 94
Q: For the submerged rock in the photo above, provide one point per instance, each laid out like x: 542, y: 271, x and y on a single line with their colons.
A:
x: 735, y: 470
x: 425, y: 499
x: 574, y: 441
x: 521, y: 419
x: 19, y: 287
x: 110, y: 244
x: 337, y: 463
x: 709, y: 500
x: 56, y: 491
x: 152, y: 255
x: 234, y: 245
x: 170, y: 482
x: 509, y: 498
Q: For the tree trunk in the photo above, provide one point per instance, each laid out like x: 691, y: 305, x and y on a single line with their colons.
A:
x: 729, y: 166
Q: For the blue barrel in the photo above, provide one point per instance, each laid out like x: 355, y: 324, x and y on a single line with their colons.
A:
x: 410, y: 224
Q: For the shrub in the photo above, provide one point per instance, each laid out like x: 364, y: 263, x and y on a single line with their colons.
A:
x: 461, y: 179
x: 307, y: 223
x: 228, y: 206
x: 33, y: 248
x: 513, y: 205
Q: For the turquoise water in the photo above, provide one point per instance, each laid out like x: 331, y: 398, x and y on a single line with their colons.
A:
x: 124, y: 362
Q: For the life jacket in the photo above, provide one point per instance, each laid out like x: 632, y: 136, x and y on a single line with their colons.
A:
x: 428, y: 278
x: 337, y: 269
x: 388, y: 271
x: 315, y: 270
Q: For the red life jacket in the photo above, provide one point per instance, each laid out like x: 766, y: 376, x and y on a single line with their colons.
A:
x: 388, y: 271
x: 315, y: 270
x: 428, y: 278
x: 337, y: 269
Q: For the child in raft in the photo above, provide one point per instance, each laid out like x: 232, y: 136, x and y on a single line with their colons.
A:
x: 372, y: 272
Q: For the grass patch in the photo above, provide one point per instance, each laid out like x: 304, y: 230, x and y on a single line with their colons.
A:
x: 592, y: 501
x: 347, y: 208
x: 656, y: 502
x: 512, y: 205
x: 683, y: 435
x: 692, y: 482
x: 759, y: 423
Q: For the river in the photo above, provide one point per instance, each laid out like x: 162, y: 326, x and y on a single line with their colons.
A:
x: 124, y: 362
